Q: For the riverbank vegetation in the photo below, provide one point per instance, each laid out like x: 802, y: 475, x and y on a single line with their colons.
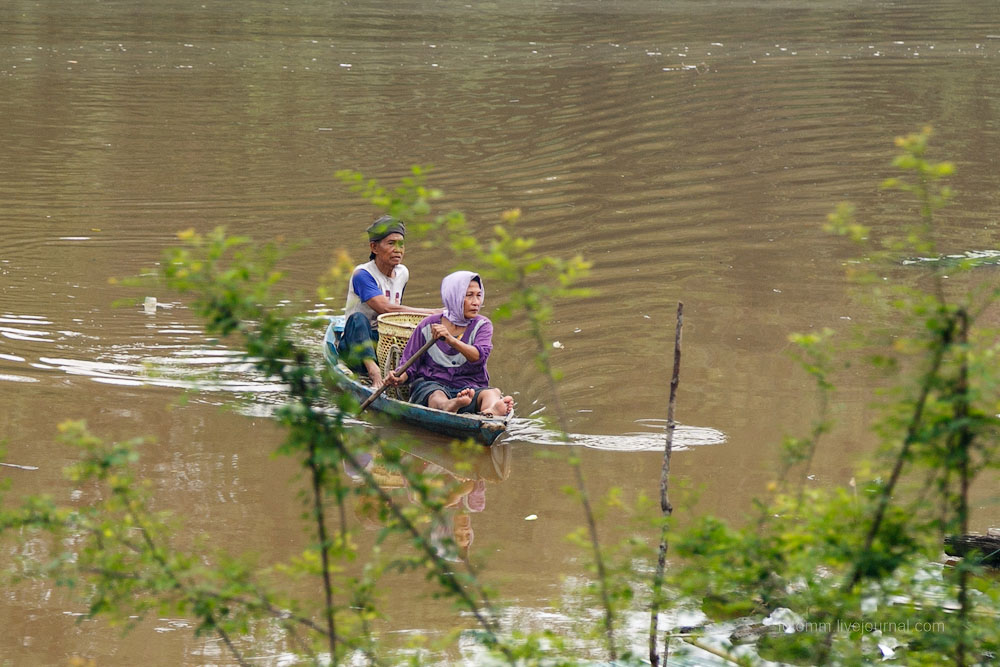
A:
x: 814, y: 575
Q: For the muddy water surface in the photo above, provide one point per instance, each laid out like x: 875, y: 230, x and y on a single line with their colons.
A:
x: 691, y: 150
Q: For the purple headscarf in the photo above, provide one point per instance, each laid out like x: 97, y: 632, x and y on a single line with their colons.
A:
x: 475, y: 500
x: 453, y: 289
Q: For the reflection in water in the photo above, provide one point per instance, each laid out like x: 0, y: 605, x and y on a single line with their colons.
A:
x: 18, y: 333
x: 168, y: 354
x: 203, y: 370
x: 456, y: 475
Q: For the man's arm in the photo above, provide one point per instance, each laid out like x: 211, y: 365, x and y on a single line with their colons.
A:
x: 371, y: 294
x: 380, y: 305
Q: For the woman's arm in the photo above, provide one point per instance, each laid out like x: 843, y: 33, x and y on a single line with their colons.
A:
x: 470, y: 352
x: 475, y: 352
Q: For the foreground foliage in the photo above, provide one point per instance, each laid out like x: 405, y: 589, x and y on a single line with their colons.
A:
x: 849, y: 575
x: 856, y: 572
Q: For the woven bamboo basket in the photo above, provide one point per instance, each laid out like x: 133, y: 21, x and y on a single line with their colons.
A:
x: 387, y: 478
x: 394, y: 329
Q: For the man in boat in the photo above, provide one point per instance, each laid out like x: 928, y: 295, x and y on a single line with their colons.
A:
x: 452, y: 374
x: 376, y: 287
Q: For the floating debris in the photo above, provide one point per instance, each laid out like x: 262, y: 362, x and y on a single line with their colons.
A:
x: 14, y: 465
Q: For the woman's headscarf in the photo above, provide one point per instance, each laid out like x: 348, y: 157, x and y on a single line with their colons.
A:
x: 453, y: 289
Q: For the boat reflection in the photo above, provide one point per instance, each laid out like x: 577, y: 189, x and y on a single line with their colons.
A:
x: 453, y: 475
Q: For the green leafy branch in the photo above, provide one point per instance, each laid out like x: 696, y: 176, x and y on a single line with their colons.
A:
x: 535, y: 282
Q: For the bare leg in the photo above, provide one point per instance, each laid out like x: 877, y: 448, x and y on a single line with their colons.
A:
x: 492, y: 402
x: 374, y: 373
x: 440, y: 401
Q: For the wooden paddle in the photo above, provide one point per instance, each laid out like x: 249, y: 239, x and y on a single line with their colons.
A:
x: 402, y: 369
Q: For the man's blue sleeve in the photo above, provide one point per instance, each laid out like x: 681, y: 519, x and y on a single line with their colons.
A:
x: 364, y: 285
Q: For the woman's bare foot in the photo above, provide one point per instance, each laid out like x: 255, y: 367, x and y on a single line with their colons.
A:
x: 500, y: 408
x: 463, y: 399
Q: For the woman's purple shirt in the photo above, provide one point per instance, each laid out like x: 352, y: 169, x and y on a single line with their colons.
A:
x: 460, y: 372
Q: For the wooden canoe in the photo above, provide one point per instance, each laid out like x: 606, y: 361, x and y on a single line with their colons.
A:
x: 478, y: 427
x: 985, y: 547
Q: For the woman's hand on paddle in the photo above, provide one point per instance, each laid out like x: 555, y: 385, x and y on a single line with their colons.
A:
x: 394, y: 380
x: 440, y: 331
x: 470, y: 352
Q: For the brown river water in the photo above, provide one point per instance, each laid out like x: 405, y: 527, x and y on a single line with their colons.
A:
x: 690, y: 150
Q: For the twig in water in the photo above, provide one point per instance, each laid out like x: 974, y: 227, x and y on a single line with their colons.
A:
x: 714, y: 651
x: 665, y: 508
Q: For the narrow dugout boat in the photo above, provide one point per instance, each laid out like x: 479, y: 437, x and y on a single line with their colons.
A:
x: 985, y: 547
x: 485, y: 429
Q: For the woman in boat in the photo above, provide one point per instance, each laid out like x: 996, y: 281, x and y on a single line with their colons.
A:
x: 452, y: 374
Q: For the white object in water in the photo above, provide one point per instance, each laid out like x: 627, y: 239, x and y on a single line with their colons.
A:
x: 149, y: 305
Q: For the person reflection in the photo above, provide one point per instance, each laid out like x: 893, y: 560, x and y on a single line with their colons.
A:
x: 451, y: 533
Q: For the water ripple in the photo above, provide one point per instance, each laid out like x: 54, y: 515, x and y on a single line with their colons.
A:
x: 156, y: 354
x: 535, y: 432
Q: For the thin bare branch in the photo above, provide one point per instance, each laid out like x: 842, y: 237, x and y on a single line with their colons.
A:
x: 666, y: 508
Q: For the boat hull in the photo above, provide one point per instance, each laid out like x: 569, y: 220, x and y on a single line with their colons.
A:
x: 484, y: 429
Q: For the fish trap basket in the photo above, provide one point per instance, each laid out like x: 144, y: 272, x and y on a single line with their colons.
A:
x: 394, y: 329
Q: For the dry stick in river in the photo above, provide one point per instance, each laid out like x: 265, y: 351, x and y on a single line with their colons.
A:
x: 401, y: 369
x: 665, y: 507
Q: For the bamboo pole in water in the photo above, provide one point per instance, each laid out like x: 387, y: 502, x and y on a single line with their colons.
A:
x: 665, y: 508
